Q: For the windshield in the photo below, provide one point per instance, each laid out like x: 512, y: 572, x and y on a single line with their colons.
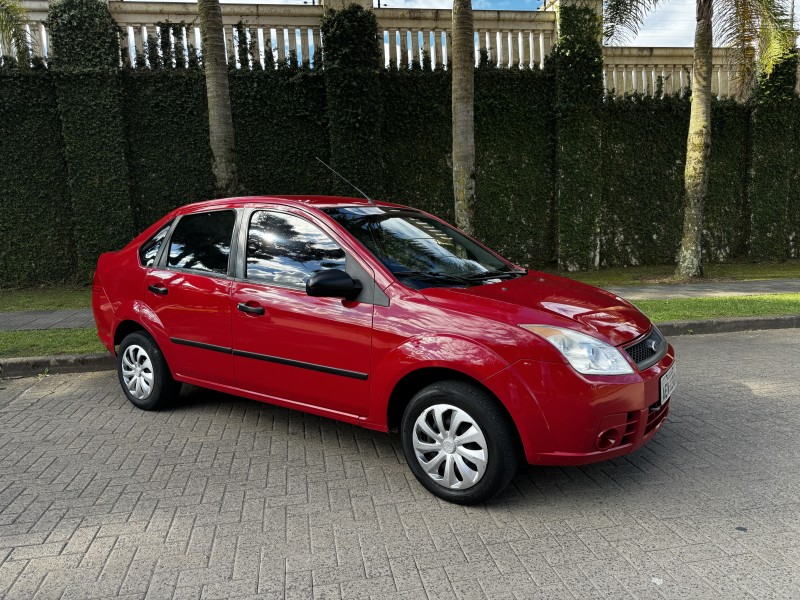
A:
x: 420, y: 250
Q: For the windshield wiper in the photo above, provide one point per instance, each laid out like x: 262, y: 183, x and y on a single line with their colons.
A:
x: 433, y: 275
x: 495, y: 275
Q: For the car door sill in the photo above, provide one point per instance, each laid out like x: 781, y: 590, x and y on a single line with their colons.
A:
x: 293, y: 404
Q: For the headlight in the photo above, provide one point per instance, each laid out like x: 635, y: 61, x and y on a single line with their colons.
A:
x: 586, y: 354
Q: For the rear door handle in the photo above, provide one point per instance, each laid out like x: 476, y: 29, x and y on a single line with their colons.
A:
x: 158, y: 289
x: 251, y: 310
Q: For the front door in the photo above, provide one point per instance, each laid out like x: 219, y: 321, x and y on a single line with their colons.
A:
x: 190, y: 292
x: 288, y: 345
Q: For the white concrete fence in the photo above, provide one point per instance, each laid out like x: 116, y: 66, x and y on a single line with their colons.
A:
x: 512, y: 39
x: 645, y: 70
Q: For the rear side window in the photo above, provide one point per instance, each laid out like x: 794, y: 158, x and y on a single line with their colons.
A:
x: 149, y: 250
x: 202, y: 242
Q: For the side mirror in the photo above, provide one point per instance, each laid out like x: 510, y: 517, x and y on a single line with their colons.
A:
x: 332, y: 283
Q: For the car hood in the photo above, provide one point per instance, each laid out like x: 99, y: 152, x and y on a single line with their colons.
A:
x: 541, y: 298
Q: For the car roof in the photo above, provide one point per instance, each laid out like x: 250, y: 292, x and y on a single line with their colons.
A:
x: 289, y: 200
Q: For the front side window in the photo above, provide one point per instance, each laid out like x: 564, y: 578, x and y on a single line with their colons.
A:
x: 420, y: 250
x: 202, y: 242
x: 149, y: 250
x: 285, y: 250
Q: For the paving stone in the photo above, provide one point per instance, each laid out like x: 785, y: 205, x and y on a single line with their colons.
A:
x: 217, y: 497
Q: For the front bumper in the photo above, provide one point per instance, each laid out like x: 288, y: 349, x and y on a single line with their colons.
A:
x: 562, y: 416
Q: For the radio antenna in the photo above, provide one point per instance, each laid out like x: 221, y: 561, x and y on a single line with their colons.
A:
x: 342, y: 177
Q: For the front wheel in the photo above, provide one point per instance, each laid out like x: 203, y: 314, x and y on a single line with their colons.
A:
x: 458, y: 442
x: 143, y: 372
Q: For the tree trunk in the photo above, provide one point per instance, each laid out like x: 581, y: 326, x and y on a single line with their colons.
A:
x: 462, y: 65
x: 698, y: 147
x: 220, y: 121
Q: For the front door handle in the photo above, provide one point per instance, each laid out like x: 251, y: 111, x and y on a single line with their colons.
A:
x: 251, y: 310
x: 158, y: 289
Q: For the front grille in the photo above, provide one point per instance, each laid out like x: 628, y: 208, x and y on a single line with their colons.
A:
x: 649, y: 350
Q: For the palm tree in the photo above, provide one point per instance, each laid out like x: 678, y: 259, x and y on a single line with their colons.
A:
x: 757, y: 35
x: 220, y: 120
x: 12, y: 28
x: 462, y: 64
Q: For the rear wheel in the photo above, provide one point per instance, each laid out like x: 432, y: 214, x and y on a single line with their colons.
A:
x: 143, y: 372
x: 458, y: 442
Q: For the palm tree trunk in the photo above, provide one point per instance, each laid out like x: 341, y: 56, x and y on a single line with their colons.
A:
x: 462, y: 64
x: 698, y: 147
x: 220, y: 121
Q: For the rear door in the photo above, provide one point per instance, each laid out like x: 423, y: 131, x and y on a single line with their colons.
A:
x: 190, y: 292
x: 288, y: 345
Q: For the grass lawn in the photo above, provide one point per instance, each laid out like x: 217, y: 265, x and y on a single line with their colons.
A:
x: 45, y: 298
x: 49, y: 342
x: 680, y: 309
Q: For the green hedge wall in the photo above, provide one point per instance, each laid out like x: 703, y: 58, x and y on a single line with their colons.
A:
x: 350, y: 38
x: 85, y: 35
x: 515, y: 155
x: 35, y: 215
x: 281, y: 117
x: 726, y: 222
x: 774, y: 188
x: 774, y: 192
x: 643, y: 154
x: 578, y: 63
x: 514, y: 150
x: 93, y: 130
x: 352, y: 54
x: 169, y: 158
x: 417, y: 140
x: 353, y: 100
x: 281, y: 126
x: 793, y: 202
x: 90, y: 154
x: 89, y: 90
x: 644, y: 147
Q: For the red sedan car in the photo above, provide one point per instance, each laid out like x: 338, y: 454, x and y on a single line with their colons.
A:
x: 386, y: 317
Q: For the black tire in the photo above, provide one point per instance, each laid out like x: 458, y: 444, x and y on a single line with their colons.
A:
x: 163, y: 387
x: 499, y: 436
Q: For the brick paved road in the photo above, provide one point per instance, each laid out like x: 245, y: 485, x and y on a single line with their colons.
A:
x: 222, y: 498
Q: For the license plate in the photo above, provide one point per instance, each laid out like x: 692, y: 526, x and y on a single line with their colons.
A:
x: 669, y: 382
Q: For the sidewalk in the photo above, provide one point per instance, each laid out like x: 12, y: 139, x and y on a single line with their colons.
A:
x: 667, y: 291
x: 75, y: 318
x: 46, y: 319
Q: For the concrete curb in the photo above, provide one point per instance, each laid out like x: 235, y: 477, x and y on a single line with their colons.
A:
x: 729, y: 324
x: 65, y: 363
x: 84, y: 363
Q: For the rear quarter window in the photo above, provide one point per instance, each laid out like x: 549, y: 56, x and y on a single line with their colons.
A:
x: 149, y: 250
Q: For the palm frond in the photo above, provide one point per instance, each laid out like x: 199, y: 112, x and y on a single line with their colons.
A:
x: 622, y: 18
x: 757, y: 35
x: 12, y: 26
